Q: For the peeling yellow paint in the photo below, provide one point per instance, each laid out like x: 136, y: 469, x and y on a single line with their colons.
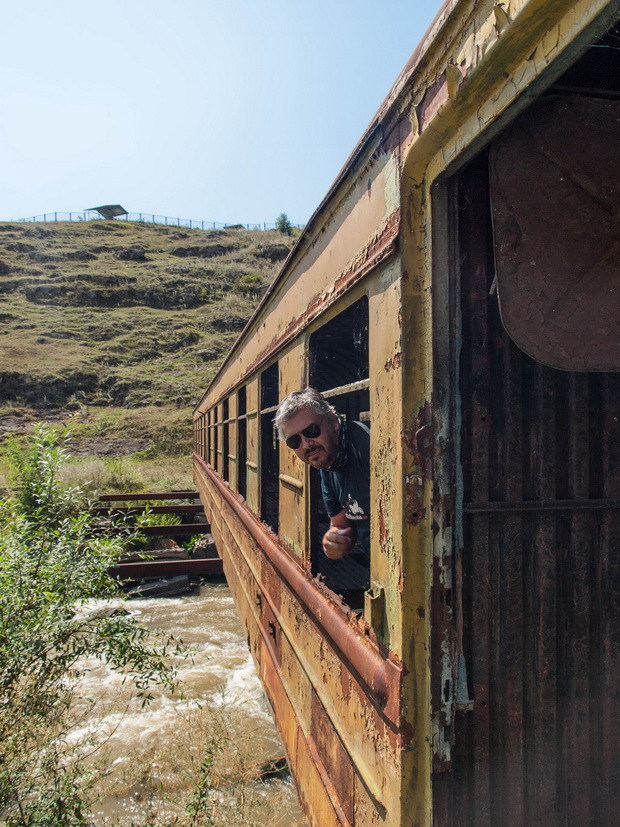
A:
x: 454, y: 79
x: 392, y: 184
x: 502, y: 20
x: 551, y: 40
x: 467, y: 55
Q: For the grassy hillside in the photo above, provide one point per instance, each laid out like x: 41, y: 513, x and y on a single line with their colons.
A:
x: 122, y: 325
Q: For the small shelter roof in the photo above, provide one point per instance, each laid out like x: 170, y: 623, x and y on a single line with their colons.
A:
x: 109, y: 210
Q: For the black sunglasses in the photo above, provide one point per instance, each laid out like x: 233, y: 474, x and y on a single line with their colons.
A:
x: 310, y: 432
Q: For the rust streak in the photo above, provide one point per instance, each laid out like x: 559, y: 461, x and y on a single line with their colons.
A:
x: 395, y: 362
x: 418, y: 438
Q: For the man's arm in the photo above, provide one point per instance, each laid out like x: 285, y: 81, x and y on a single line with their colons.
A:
x: 339, y: 539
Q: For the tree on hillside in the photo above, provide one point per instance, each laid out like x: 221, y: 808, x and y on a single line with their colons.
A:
x: 283, y: 224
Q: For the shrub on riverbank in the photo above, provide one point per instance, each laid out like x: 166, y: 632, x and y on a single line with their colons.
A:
x: 52, y: 562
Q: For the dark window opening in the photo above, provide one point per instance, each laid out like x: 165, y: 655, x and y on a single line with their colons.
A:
x: 339, y: 369
x: 225, y: 439
x: 211, y: 451
x: 597, y: 72
x: 339, y: 350
x: 216, y: 440
x: 208, y: 438
x: 242, y: 450
x: 270, y: 450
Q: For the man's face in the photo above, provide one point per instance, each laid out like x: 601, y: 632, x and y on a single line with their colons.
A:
x: 319, y: 451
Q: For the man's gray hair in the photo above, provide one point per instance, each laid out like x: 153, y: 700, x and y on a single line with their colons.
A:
x: 299, y: 401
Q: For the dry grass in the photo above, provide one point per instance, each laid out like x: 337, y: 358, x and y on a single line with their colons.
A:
x: 163, y: 462
x: 159, y: 782
x: 99, y: 475
x: 82, y: 323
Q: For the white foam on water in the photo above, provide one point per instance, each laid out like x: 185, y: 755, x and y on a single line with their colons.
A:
x: 243, y: 688
x: 220, y: 676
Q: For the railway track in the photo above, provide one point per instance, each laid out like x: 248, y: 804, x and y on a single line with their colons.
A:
x: 111, y: 505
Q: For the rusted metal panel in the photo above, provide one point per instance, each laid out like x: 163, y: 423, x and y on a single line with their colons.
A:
x: 162, y: 495
x: 269, y: 613
x: 557, y: 246
x: 263, y: 621
x: 293, y: 530
x: 166, y: 568
x: 311, y: 646
x: 541, y: 525
x: 334, y: 757
x: 315, y: 787
x: 253, y: 442
x: 378, y: 250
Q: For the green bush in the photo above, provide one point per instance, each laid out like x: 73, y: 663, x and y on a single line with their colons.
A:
x: 52, y: 563
x: 140, y: 543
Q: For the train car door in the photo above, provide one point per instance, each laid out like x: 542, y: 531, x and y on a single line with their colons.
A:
x: 536, y: 395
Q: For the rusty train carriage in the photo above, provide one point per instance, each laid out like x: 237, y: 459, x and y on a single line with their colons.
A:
x: 458, y: 289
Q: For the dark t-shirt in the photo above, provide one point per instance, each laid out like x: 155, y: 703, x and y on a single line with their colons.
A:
x: 349, y: 489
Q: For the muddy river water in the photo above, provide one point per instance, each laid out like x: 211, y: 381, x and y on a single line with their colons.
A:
x: 208, y: 744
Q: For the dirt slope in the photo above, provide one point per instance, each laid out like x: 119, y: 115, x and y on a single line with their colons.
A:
x: 121, y: 314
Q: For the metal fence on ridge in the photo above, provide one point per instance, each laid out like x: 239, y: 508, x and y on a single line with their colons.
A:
x: 147, y: 218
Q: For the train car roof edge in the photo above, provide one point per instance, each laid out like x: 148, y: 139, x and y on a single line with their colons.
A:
x: 382, y: 112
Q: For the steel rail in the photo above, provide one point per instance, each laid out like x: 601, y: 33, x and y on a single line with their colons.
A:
x: 164, y: 495
x: 211, y: 566
x: 134, y: 510
x: 179, y: 530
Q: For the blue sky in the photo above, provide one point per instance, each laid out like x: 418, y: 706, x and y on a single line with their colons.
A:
x: 231, y: 112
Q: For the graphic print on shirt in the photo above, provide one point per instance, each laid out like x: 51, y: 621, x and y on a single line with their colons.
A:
x: 353, y: 510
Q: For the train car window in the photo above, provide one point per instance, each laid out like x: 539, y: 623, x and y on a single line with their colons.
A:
x: 216, y: 441
x: 242, y: 450
x: 339, y: 369
x: 339, y: 349
x: 203, y: 436
x: 225, y: 437
x: 210, y: 455
x: 270, y: 451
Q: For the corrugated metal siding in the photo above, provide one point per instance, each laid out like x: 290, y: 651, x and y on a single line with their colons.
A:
x: 540, y: 595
